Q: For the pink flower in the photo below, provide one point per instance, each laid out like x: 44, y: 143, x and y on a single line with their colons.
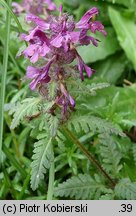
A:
x: 39, y: 75
x: 55, y: 41
x: 33, y: 6
x: 84, y: 21
x: 83, y: 67
x: 38, y: 45
x: 65, y: 100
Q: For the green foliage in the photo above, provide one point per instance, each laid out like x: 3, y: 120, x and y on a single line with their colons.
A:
x: 81, y: 187
x: 134, y: 152
x: 126, y: 189
x: 27, y: 107
x: 42, y: 160
x: 104, y: 113
x: 104, y: 49
x: 126, y: 33
x: 110, y: 154
x: 114, y: 64
x: 93, y: 123
x: 89, y: 89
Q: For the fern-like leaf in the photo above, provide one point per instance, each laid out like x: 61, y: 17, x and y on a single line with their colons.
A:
x: 93, y: 123
x: 61, y: 139
x: 27, y: 107
x: 134, y: 153
x: 81, y: 187
x: 42, y: 160
x: 110, y: 154
x: 53, y: 125
x: 126, y: 189
x: 78, y: 86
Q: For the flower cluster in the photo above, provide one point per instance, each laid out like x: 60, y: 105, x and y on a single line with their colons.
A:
x: 33, y: 6
x: 52, y: 44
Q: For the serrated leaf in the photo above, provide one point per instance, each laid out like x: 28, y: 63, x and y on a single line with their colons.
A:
x: 52, y: 89
x: 93, y: 123
x: 28, y: 106
x: 80, y: 187
x: 126, y: 189
x: 134, y: 153
x: 110, y: 154
x: 42, y: 160
x: 53, y: 125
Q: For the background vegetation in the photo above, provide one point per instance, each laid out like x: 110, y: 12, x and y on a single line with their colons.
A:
x: 104, y: 123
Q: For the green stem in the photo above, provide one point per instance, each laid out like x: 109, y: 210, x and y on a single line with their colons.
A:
x: 8, y: 121
x: 51, y: 179
x: 15, y: 163
x: 9, y: 183
x: 89, y: 156
x: 3, y: 78
x: 10, y: 12
x: 25, y: 185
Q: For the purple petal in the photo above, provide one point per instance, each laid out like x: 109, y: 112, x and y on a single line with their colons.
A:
x: 93, y: 40
x: 32, y: 72
x: 87, y: 16
x: 97, y: 26
x: 40, y: 75
x: 60, y: 9
x: 57, y: 42
x: 85, y: 39
x: 30, y: 36
x: 29, y: 51
x: 74, y: 36
x: 46, y: 80
x: 34, y: 58
x: 88, y: 70
x: 40, y: 22
x: 72, y: 101
x: 46, y: 69
x: 45, y: 49
x: 51, y: 5
x: 33, y: 84
x: 80, y: 67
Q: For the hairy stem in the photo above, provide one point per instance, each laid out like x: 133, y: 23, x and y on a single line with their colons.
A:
x: 51, y: 179
x: 89, y: 156
x: 3, y: 78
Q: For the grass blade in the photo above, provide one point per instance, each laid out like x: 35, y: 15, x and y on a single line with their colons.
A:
x: 6, y: 5
x: 3, y: 76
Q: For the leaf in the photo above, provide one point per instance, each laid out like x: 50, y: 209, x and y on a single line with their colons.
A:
x: 42, y: 160
x: 111, y: 68
x: 78, y: 86
x: 52, y: 89
x: 126, y: 33
x: 127, y: 3
x: 61, y: 139
x: 80, y: 187
x: 93, y: 123
x: 134, y: 153
x: 105, y: 48
x: 129, y: 122
x: 53, y: 125
x: 108, y: 196
x: 12, y: 14
x: 110, y: 154
x: 126, y: 189
x: 29, y: 106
